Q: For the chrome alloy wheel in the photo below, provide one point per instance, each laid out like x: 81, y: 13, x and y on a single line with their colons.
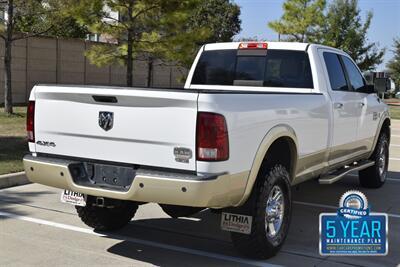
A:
x: 274, y: 211
x: 383, y: 161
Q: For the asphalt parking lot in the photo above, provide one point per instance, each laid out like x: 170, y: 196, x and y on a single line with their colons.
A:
x: 37, y: 229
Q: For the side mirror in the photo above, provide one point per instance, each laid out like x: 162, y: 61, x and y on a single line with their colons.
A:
x: 380, y: 85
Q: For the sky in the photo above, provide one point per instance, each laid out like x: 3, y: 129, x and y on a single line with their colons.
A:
x: 385, y: 25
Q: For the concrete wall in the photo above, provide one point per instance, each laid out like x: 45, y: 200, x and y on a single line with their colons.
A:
x: 62, y: 61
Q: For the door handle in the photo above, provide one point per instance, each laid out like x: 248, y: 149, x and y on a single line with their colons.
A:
x: 362, y: 104
x: 105, y: 98
x: 338, y: 105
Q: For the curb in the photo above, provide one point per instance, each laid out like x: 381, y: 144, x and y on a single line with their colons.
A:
x: 13, y: 179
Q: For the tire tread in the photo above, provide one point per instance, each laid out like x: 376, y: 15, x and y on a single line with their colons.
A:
x: 254, y: 245
x: 107, y: 219
x: 369, y: 177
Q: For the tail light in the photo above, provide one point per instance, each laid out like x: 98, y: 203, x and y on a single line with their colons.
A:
x: 212, y: 137
x: 30, y: 121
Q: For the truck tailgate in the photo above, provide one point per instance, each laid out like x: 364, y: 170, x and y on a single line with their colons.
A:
x: 147, y: 124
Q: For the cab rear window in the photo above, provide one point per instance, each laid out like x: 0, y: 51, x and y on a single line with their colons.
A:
x: 275, y: 68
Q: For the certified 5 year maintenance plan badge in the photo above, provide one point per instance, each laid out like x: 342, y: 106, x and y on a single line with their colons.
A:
x: 353, y: 230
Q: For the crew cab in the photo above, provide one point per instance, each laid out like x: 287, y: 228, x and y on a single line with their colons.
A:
x: 253, y: 119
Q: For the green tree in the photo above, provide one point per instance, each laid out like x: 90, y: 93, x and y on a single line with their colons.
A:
x: 56, y: 17
x: 22, y: 20
x: 220, y: 17
x: 345, y: 30
x: 394, y: 64
x: 67, y: 28
x: 216, y: 20
x: 301, y: 20
x: 140, y: 28
x: 248, y: 39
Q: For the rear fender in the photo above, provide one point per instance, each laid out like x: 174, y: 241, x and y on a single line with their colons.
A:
x: 275, y: 133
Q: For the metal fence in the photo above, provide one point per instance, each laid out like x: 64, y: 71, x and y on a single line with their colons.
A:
x: 62, y: 61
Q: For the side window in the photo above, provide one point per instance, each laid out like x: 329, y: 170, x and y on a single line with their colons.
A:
x: 336, y: 74
x: 355, y: 77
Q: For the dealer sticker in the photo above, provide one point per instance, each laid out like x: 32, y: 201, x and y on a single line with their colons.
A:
x: 353, y: 230
x: 74, y: 198
x: 236, y: 223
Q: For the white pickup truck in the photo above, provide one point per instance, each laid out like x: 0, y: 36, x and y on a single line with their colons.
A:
x: 253, y: 120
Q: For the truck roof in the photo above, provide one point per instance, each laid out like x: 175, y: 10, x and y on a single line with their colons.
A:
x: 271, y: 45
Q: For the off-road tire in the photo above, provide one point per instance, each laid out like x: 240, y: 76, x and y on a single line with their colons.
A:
x: 372, y: 177
x: 258, y: 244
x: 106, y: 218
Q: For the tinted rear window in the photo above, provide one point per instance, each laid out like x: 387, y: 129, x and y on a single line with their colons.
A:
x: 279, y: 68
x: 335, y: 72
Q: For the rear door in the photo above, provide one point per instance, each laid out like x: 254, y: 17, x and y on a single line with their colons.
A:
x: 345, y: 108
x: 144, y: 127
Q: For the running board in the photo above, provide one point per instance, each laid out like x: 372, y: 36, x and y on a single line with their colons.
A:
x: 336, y: 176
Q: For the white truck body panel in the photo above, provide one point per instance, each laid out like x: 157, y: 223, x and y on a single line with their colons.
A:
x: 148, y: 124
x: 271, y: 45
x: 77, y: 126
x: 307, y: 115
